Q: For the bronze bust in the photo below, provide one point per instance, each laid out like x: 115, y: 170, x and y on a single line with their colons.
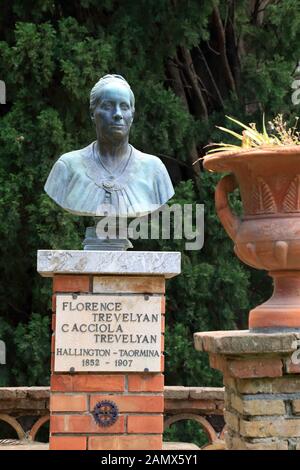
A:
x: 110, y: 172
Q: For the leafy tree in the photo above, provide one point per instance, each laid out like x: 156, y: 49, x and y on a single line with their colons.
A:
x: 189, y: 64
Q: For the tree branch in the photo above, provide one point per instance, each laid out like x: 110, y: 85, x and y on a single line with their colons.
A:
x: 179, y: 90
x: 222, y: 49
x: 192, y: 79
x: 211, y: 77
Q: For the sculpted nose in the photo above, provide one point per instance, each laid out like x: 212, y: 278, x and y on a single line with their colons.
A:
x: 117, y: 114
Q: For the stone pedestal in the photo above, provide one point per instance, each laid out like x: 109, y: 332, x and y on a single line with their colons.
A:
x: 130, y: 399
x: 262, y: 387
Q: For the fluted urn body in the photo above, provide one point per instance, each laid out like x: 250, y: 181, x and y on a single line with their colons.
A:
x: 267, y: 236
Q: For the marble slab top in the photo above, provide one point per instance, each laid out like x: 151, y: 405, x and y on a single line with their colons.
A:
x: 160, y: 263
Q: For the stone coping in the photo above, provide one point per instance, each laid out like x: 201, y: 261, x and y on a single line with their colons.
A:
x: 193, y: 393
x: 26, y: 445
x: 159, y: 263
x: 246, y: 342
x: 31, y: 393
x: 23, y: 445
x: 170, y: 392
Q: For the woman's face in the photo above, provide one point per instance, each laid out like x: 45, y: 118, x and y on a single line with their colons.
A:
x: 113, y: 114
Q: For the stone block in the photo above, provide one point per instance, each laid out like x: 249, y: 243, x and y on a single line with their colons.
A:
x: 261, y: 444
x: 280, y: 427
x: 161, y: 263
x: 296, y: 407
x: 176, y: 393
x: 140, y: 442
x: 207, y: 393
x: 292, y: 368
x: 129, y: 284
x: 245, y: 342
x: 283, y: 384
x: 258, y: 407
x: 231, y: 420
x: 256, y: 367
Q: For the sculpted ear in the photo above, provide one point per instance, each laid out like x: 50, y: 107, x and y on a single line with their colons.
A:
x: 92, y: 116
x: 133, y: 111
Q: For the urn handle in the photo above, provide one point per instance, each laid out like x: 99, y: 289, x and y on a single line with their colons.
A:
x: 230, y: 221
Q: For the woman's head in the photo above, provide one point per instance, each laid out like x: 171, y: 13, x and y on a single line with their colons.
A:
x: 104, y: 82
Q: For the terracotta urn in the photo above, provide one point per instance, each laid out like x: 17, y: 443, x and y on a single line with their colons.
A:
x: 267, y: 236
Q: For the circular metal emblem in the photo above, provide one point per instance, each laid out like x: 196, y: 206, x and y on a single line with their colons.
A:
x: 105, y: 413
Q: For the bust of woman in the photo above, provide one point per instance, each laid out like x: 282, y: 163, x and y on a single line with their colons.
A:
x: 110, y: 172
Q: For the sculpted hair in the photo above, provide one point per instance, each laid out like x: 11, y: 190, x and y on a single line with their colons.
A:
x: 104, y: 81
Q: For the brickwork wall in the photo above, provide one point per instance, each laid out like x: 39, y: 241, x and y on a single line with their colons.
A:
x: 262, y: 401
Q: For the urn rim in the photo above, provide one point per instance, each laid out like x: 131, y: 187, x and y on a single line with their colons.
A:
x: 223, y: 161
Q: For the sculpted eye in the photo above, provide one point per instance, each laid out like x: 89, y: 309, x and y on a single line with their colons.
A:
x: 124, y: 106
x: 106, y: 105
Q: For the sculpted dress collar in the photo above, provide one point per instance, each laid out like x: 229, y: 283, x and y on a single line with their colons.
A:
x: 103, y: 178
x: 79, y: 183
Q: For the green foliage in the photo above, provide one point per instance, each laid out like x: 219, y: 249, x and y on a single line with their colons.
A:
x: 186, y: 431
x: 175, y: 129
x: 28, y: 355
x: 271, y: 56
x: 52, y: 52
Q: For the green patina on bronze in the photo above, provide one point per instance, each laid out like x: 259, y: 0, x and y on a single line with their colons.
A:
x: 110, y: 176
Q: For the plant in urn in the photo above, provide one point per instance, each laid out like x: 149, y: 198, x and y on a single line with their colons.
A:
x: 266, y: 168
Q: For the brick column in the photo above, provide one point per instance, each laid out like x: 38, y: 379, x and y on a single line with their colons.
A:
x: 138, y: 395
x: 262, y: 387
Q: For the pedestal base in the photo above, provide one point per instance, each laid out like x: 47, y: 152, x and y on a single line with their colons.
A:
x: 282, y: 310
x: 117, y: 407
x: 93, y: 243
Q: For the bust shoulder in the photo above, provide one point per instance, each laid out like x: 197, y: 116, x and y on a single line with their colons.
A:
x: 149, y: 160
x: 75, y: 158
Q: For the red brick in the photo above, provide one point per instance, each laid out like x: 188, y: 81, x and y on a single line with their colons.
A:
x: 87, y: 383
x: 145, y: 383
x: 132, y: 403
x: 53, y: 342
x: 255, y: 368
x: 83, y: 424
x: 98, y: 383
x: 125, y: 442
x: 292, y: 368
x: 162, y: 344
x: 53, y: 322
x: 162, y: 363
x: 163, y: 304
x: 61, y: 383
x: 52, y: 359
x: 71, y: 283
x: 68, y: 443
x: 64, y: 402
x: 53, y: 303
x: 145, y: 424
x: 217, y: 362
x: 162, y: 323
x: 129, y: 284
